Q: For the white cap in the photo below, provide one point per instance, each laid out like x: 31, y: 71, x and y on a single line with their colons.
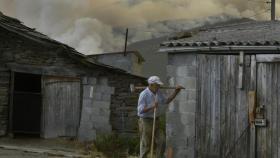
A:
x: 154, y: 79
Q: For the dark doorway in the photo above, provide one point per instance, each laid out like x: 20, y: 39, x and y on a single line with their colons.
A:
x: 27, y: 104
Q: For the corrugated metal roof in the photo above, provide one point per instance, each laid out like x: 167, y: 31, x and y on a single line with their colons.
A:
x: 248, y: 33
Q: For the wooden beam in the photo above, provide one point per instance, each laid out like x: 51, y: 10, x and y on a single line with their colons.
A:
x: 268, y: 58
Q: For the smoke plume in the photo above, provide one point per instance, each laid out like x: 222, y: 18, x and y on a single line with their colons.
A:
x: 95, y: 26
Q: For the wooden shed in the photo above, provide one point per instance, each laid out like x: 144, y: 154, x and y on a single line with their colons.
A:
x: 50, y: 90
x: 230, y: 108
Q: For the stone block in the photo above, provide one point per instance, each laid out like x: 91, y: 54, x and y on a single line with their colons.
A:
x: 102, y: 89
x: 106, y: 97
x: 188, y: 119
x: 86, y: 124
x: 182, y: 96
x: 86, y: 134
x: 102, y: 104
x: 112, y: 90
x: 88, y: 91
x: 171, y: 81
x: 95, y: 111
x: 188, y: 82
x: 103, y: 81
x: 85, y: 118
x: 105, y: 129
x: 84, y: 80
x: 92, y: 80
x: 186, y: 71
x: 178, y: 142
x: 170, y: 70
x: 191, y: 95
x: 180, y: 152
x: 183, y: 59
x: 187, y: 106
x: 98, y: 120
x: 104, y: 112
x: 97, y: 96
x: 88, y: 103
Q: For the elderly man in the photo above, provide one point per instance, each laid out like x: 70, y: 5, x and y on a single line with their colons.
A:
x: 149, y: 99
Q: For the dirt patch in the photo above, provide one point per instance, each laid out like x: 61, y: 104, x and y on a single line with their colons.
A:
x: 31, y: 147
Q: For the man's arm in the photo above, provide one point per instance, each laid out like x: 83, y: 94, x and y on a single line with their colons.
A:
x: 142, y: 105
x: 146, y: 109
x: 174, y: 94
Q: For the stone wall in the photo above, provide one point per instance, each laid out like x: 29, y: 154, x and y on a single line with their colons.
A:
x: 180, y: 126
x: 124, y: 117
x: 95, y: 115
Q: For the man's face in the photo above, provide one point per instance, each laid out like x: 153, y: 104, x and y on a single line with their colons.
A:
x: 155, y: 87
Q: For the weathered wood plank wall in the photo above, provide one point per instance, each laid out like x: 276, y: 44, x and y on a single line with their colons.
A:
x: 4, y: 99
x: 222, y: 114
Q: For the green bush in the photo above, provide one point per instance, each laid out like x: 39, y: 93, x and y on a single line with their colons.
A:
x: 115, y: 146
x: 133, y: 145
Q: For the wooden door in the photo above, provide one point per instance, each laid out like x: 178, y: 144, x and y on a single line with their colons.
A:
x: 268, y: 96
x: 61, y: 106
x: 221, y: 112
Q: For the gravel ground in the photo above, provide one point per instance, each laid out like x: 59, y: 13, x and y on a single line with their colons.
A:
x: 19, y: 154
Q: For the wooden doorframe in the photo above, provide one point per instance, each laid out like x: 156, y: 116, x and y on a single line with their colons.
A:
x: 11, y: 108
x: 11, y: 104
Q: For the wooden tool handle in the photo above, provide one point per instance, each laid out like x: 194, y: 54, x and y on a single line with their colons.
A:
x: 153, y: 133
x: 143, y: 87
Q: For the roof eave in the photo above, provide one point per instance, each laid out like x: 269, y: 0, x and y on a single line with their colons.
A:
x: 219, y: 49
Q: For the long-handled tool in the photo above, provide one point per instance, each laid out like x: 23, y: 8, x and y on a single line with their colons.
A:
x: 153, y: 131
x: 134, y: 88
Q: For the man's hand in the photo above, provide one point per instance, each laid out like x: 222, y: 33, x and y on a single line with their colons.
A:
x: 155, y: 105
x: 172, y: 96
x: 179, y: 88
x: 147, y: 109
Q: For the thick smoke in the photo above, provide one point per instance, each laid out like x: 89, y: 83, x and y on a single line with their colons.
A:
x: 95, y: 26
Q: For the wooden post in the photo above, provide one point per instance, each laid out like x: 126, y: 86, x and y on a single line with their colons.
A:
x: 125, y: 44
x: 272, y: 10
x: 241, y: 70
x: 153, y: 133
x: 154, y: 128
x: 252, y: 114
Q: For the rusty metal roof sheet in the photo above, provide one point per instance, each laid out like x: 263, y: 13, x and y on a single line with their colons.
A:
x: 137, y: 53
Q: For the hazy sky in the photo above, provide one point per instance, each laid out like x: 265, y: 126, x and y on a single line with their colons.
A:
x: 87, y: 25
